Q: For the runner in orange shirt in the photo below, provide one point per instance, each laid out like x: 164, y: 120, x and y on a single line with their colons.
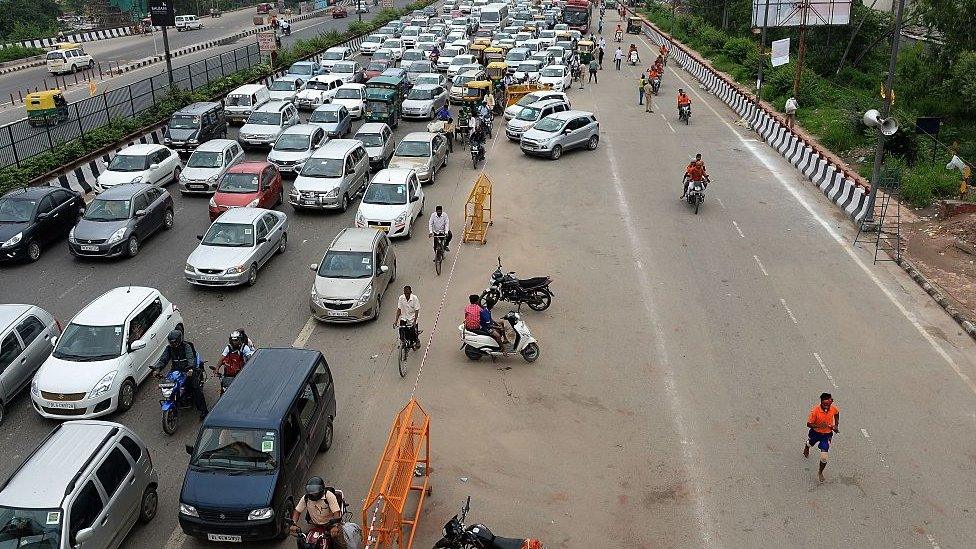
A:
x: 823, y: 421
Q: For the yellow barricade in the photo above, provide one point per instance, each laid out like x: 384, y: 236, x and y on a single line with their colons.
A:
x: 477, y: 211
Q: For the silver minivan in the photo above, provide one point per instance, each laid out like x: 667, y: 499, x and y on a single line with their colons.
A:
x: 85, y: 486
x: 332, y: 176
x: 27, y: 333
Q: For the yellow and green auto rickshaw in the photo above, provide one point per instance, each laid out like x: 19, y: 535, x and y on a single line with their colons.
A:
x: 46, y: 108
x: 634, y: 25
x: 478, y: 51
x: 493, y: 54
x: 475, y: 91
x: 585, y: 50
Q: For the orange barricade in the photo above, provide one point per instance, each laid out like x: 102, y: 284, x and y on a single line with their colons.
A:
x: 404, y: 468
x: 477, y: 211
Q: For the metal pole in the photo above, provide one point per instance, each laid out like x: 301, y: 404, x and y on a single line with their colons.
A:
x: 802, y: 49
x: 169, y: 59
x: 885, y: 111
x: 762, y: 53
x: 13, y: 145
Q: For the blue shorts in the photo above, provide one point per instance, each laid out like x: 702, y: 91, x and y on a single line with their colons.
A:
x: 820, y: 440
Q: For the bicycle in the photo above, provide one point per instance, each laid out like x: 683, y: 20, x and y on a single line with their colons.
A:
x: 407, y: 337
x: 439, y: 251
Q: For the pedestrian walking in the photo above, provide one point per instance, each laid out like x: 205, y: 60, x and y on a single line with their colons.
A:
x: 617, y: 57
x: 648, y: 92
x: 594, y: 66
x: 791, y: 106
x: 823, y: 421
x: 602, y: 43
x: 600, y: 55
x: 640, y: 89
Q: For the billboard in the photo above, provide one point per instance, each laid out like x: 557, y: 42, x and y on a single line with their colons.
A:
x: 162, y: 13
x: 794, y: 13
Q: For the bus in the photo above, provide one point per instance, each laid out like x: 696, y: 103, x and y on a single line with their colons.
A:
x: 576, y: 14
x: 494, y: 16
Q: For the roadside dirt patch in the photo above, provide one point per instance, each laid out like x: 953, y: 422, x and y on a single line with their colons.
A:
x: 944, y: 250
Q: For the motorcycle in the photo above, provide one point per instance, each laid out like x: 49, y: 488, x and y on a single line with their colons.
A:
x: 233, y: 363
x: 315, y: 538
x: 656, y: 85
x: 477, y: 154
x: 633, y: 58
x: 478, y: 536
x: 684, y: 114
x: 286, y: 30
x: 176, y: 396
x: 696, y: 194
x: 534, y: 292
x: 618, y: 36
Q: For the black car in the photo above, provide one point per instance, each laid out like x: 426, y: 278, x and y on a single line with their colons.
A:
x: 33, y: 217
x: 256, y: 447
x: 119, y: 219
x: 195, y: 124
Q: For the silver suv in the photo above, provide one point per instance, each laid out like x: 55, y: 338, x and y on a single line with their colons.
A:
x: 27, y: 333
x: 85, y: 486
x: 561, y: 131
x: 353, y: 276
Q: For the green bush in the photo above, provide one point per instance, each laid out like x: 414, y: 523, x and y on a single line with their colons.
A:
x: 712, y: 38
x: 738, y: 50
x: 925, y: 183
x: 12, y: 53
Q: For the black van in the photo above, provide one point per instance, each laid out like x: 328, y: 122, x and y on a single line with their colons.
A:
x: 256, y: 446
x: 194, y: 124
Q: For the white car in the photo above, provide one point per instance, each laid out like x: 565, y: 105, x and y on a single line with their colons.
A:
x: 447, y: 55
x: 547, y: 37
x: 409, y: 36
x: 104, y: 353
x: 295, y: 145
x: 459, y: 61
x: 372, y: 43
x: 142, y: 163
x: 353, y: 97
x: 411, y: 55
x: 318, y: 91
x: 527, y: 71
x: 557, y: 76
x: 285, y: 88
x: 434, y: 78
x: 528, y: 99
x: 208, y: 163
x: 334, y: 55
x: 460, y: 81
x: 392, y: 202
x: 557, y: 54
x: 350, y: 71
x: 395, y: 45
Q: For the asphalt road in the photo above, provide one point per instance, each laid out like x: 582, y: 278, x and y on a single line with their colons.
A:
x: 679, y: 359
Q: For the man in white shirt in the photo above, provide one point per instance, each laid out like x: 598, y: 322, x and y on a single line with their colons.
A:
x: 408, y: 308
x: 791, y: 107
x: 440, y: 224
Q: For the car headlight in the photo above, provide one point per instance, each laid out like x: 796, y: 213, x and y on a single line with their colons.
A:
x: 188, y: 510
x: 35, y: 390
x: 367, y: 293
x: 213, y: 178
x: 400, y: 219
x: 213, y: 203
x: 192, y: 141
x: 189, y: 268
x: 117, y: 236
x: 332, y: 194
x: 167, y: 140
x: 13, y: 241
x: 236, y: 270
x: 136, y: 179
x: 253, y: 203
x: 261, y: 514
x: 103, y: 385
x: 71, y: 235
x: 360, y: 220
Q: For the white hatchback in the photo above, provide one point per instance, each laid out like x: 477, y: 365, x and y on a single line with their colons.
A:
x: 106, y: 350
x: 392, y: 202
x: 141, y: 163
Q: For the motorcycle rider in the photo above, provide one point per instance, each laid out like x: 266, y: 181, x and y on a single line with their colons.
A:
x: 184, y: 358
x: 478, y: 320
x: 618, y: 34
x: 439, y: 223
x: 444, y: 115
x: 235, y: 354
x: 285, y: 27
x: 477, y: 136
x: 319, y: 505
x: 633, y: 55
x: 408, y: 308
x: 695, y: 172
x: 683, y: 101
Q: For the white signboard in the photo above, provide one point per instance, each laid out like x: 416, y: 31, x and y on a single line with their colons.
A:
x: 780, y: 52
x: 267, y: 42
x: 793, y: 13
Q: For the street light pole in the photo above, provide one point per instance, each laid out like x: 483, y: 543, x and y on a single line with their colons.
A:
x: 885, y: 112
x: 169, y: 59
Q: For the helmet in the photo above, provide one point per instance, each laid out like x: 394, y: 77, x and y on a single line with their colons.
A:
x: 236, y: 337
x: 315, y: 488
x: 175, y: 337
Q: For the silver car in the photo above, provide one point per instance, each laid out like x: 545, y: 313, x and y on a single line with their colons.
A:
x: 423, y: 152
x: 27, y: 334
x: 208, y: 162
x: 377, y: 137
x: 532, y: 114
x: 353, y: 276
x: 295, y: 145
x: 418, y: 68
x: 423, y: 101
x: 236, y: 245
x: 559, y: 132
x: 267, y: 122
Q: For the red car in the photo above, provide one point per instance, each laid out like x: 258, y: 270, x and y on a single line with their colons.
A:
x: 376, y: 67
x: 339, y: 11
x: 248, y: 184
x: 264, y: 7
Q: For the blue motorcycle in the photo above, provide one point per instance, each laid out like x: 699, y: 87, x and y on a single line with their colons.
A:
x: 176, y: 396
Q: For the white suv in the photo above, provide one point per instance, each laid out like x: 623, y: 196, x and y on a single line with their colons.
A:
x: 104, y: 353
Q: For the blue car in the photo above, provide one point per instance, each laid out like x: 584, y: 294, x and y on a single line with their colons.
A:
x: 334, y: 119
x: 306, y: 69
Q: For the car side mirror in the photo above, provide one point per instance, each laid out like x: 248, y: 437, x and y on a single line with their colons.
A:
x: 82, y: 210
x: 200, y: 237
x: 153, y: 166
x: 314, y: 266
x: 414, y: 198
x: 137, y: 345
x: 140, y: 213
x: 84, y: 535
x: 42, y: 215
x: 384, y: 268
x: 189, y: 449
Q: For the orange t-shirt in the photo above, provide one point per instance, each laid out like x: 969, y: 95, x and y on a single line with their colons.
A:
x: 684, y: 100
x: 817, y: 416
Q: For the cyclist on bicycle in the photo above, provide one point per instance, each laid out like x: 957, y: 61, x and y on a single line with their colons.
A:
x: 439, y: 224
x: 408, y: 309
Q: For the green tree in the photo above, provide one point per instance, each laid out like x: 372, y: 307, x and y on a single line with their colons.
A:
x: 953, y: 19
x: 23, y: 19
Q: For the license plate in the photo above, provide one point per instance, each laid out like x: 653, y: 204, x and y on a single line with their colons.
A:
x: 212, y: 278
x: 89, y: 248
x: 197, y: 187
x: 308, y: 202
x: 339, y: 313
x: 62, y: 405
x: 224, y: 537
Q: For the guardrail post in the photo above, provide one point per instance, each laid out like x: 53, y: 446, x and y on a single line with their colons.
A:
x: 100, y: 70
x: 132, y: 104
x: 81, y: 128
x: 10, y: 134
x: 189, y: 73
x: 108, y: 115
x: 152, y: 88
x: 50, y: 140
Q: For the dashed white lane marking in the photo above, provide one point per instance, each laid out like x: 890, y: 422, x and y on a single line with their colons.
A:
x: 826, y: 372
x: 761, y: 268
x: 763, y: 154
x: 672, y: 127
x: 720, y: 203
x: 75, y: 285
x: 738, y: 230
x: 302, y: 338
x: 865, y: 433
x: 788, y: 311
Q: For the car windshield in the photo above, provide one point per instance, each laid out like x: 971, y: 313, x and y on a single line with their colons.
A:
x: 576, y: 17
x: 17, y: 210
x: 413, y: 149
x: 515, y: 57
x: 205, y: 159
x: 377, y: 66
x: 316, y: 85
x: 264, y: 119
x: 370, y: 139
x: 528, y: 100
x: 230, y: 235
x: 375, y: 39
x: 549, y: 124
x: 385, y: 193
x: 420, y: 67
x: 229, y: 449
x: 344, y: 68
x: 414, y: 55
x: 80, y: 343
x: 378, y: 107
x: 107, y: 210
x: 236, y: 100
x: 421, y: 94
x: 428, y: 78
x: 333, y: 56
x: 383, y: 55
x: 324, y: 115
x: 302, y: 69
x: 184, y: 122
x: 348, y: 93
x: 283, y: 85
x: 529, y: 114
x: 323, y: 167
x: 346, y: 265
x: 292, y: 142
x: 390, y: 44
x: 29, y: 528
x: 239, y: 183
x: 128, y: 163
x: 528, y: 67
x: 551, y: 71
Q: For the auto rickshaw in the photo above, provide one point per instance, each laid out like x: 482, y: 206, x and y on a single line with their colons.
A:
x: 475, y: 91
x: 585, y: 50
x: 496, y: 72
x: 493, y: 54
x: 482, y: 40
x: 634, y: 25
x: 46, y: 108
x: 517, y: 91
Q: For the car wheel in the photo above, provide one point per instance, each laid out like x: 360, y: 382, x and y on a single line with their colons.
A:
x: 127, y: 395
x: 557, y: 151
x: 328, y: 438
x: 283, y: 243
x: 379, y: 304
x: 132, y: 246
x: 168, y: 220
x: 33, y: 251
x: 252, y: 275
x: 593, y: 142
x: 284, y: 527
x: 149, y: 505
x: 344, y: 203
x: 176, y: 175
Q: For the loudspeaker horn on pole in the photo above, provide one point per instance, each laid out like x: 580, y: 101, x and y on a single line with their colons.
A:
x: 888, y: 126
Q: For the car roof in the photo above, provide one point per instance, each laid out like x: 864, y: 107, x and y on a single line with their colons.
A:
x: 199, y: 107
x: 300, y: 129
x: 354, y: 239
x: 254, y: 167
x: 353, y: 86
x: 566, y: 115
x: 545, y: 103
x: 37, y: 192
x: 264, y: 391
x: 336, y: 147
x: 425, y: 86
x: 372, y: 127
x: 50, y: 471
x: 338, y: 48
x: 11, y: 312
x: 418, y: 136
x: 248, y: 88
x: 326, y: 78
x: 272, y: 106
x: 330, y: 107
x: 242, y: 215
x: 141, y: 149
x: 215, y: 145
x: 123, y: 192
x: 392, y: 175
x: 290, y: 77
x: 114, y: 306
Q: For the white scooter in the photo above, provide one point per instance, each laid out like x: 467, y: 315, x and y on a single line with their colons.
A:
x: 633, y: 58
x: 476, y: 345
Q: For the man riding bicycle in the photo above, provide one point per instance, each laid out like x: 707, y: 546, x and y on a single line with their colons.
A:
x: 440, y: 225
x: 408, y: 310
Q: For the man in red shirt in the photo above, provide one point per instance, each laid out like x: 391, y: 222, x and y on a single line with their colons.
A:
x: 823, y: 421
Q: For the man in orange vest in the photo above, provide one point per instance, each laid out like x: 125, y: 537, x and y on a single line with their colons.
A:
x: 695, y: 172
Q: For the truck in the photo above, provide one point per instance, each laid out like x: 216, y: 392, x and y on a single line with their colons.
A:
x: 577, y: 13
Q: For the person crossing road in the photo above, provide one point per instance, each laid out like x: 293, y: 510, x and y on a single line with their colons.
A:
x: 823, y: 422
